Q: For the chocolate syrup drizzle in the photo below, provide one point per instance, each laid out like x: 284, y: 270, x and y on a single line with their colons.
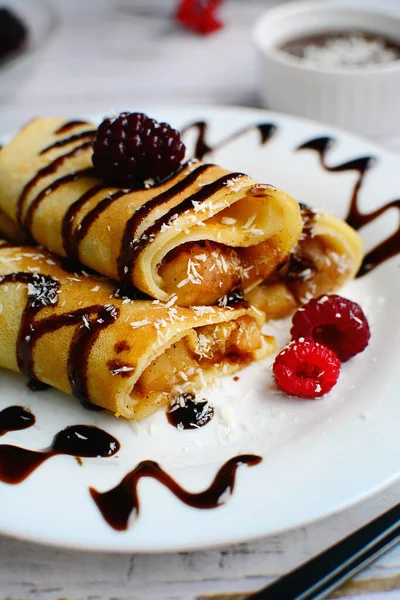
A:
x: 186, y: 412
x: 15, y: 418
x: 16, y: 463
x: 69, y: 125
x: 67, y: 227
x: 355, y: 217
x: 89, y: 322
x: 83, y: 135
x: 30, y: 213
x: 44, y: 172
x: 37, y: 386
x: 76, y: 237
x: 202, y: 147
x: 130, y: 249
x: 117, y: 504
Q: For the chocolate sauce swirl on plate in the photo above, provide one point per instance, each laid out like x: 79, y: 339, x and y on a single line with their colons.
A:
x: 87, y: 441
x: 186, y: 412
x: 15, y: 418
x: 202, y: 147
x: 355, y: 217
x: 118, y: 504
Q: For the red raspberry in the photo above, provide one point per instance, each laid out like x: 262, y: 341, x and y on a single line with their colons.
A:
x: 335, y: 322
x: 306, y: 369
x: 136, y: 151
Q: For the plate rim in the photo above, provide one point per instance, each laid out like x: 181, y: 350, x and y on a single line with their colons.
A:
x: 115, y: 548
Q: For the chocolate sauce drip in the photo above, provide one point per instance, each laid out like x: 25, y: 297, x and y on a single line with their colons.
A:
x: 185, y: 412
x: 362, y: 165
x: 387, y: 248
x: 83, y: 135
x: 89, y: 322
x: 82, y: 343
x: 37, y: 386
x: 355, y: 218
x: 117, y: 504
x: 202, y: 147
x: 81, y: 231
x: 69, y: 218
x: 16, y: 463
x: 72, y: 238
x: 44, y: 172
x: 15, y: 418
x: 58, y: 183
x: 168, y: 218
x: 128, y: 247
x: 69, y: 125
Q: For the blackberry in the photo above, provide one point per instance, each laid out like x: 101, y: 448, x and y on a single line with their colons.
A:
x: 136, y: 151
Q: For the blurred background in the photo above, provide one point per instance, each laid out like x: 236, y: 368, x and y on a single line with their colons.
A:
x: 88, y: 56
x: 104, y: 54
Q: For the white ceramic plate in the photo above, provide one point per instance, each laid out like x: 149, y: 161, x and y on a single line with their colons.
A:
x: 318, y: 456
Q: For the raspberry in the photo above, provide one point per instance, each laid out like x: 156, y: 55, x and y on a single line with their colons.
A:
x: 136, y: 151
x: 306, y: 369
x: 335, y: 322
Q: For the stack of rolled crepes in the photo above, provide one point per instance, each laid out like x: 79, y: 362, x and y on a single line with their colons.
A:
x: 196, y: 239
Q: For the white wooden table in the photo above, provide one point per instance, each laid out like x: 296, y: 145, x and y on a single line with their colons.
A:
x: 101, y: 58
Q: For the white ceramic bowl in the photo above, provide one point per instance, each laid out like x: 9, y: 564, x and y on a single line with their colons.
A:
x: 362, y: 99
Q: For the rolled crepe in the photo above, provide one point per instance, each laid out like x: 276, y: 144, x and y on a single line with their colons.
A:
x: 73, y: 331
x: 328, y: 255
x: 199, y: 235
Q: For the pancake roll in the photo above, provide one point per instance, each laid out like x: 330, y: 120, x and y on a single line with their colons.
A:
x: 327, y: 255
x: 200, y: 234
x: 76, y: 332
